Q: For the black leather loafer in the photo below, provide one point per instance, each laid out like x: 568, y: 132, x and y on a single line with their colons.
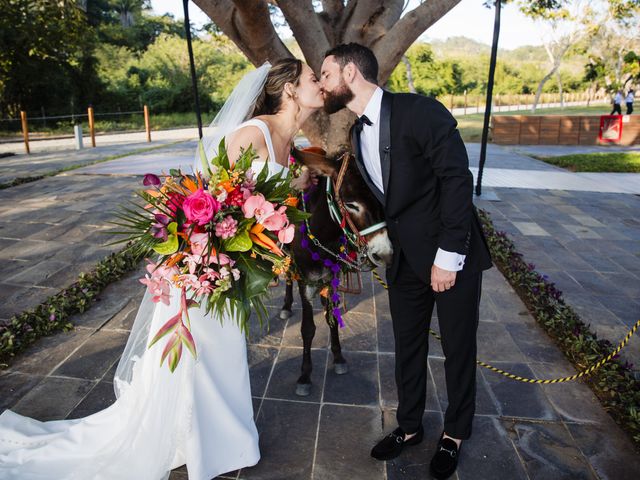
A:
x: 445, y: 460
x: 391, y: 446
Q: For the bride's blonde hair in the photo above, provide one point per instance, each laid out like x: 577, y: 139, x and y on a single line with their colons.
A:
x: 283, y: 71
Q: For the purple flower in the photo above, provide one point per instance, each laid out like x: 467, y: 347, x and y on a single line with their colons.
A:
x: 303, y: 227
x: 335, y: 298
x: 52, y: 317
x: 328, y: 263
x: 151, y: 180
x: 335, y: 282
x: 304, y: 243
x: 315, y: 257
x: 335, y: 268
x: 159, y: 229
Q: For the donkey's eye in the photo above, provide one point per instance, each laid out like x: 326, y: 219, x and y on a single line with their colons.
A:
x: 352, y: 206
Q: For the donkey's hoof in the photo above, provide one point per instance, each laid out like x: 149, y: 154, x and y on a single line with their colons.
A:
x: 303, y: 389
x: 285, y: 314
x: 341, y: 368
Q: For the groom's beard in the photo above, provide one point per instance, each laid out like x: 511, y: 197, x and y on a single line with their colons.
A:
x: 337, y: 99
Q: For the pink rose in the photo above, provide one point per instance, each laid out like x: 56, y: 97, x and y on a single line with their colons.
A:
x: 200, y: 207
x: 286, y: 234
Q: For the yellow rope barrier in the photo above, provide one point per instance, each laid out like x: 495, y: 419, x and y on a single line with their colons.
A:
x: 518, y: 378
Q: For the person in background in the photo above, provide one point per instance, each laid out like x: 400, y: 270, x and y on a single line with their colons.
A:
x: 617, y: 104
x: 629, y: 100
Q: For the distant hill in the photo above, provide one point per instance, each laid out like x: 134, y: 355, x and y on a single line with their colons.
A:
x: 463, y: 47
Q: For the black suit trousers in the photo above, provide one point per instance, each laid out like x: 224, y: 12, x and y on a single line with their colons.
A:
x: 412, y: 301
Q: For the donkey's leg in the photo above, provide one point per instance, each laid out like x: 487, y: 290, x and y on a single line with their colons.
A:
x: 308, y: 330
x: 339, y: 362
x: 288, y: 299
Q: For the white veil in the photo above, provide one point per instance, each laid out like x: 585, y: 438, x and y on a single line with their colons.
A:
x: 238, y: 107
x: 235, y: 111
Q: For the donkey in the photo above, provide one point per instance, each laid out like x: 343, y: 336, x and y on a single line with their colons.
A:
x: 365, y: 214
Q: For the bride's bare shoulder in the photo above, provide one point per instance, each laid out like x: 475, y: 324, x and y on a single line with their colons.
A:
x: 241, y: 139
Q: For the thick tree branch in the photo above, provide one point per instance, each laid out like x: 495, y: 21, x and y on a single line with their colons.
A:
x: 248, y: 24
x: 307, y: 28
x: 390, y: 48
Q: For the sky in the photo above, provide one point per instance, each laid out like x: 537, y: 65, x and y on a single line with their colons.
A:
x: 469, y: 18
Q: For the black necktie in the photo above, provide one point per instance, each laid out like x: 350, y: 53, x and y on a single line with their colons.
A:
x: 361, y: 122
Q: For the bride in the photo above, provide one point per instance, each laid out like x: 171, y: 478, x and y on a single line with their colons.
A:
x: 200, y: 415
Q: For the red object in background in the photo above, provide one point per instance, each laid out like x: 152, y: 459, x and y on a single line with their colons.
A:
x: 610, y: 128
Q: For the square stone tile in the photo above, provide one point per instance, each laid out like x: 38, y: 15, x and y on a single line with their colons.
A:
x: 359, y: 386
x: 345, y: 438
x: 95, y: 357
x: 293, y: 336
x: 38, y: 274
x: 47, y: 353
x: 534, y: 343
x: 53, y: 398
x: 99, y: 398
x: 609, y: 452
x: 270, y: 333
x: 531, y: 229
x: 287, y: 441
x: 489, y: 454
x: 359, y: 333
x: 517, y: 399
x: 548, y: 450
x: 287, y: 371
x: 495, y: 343
x: 261, y: 360
x: 14, y: 386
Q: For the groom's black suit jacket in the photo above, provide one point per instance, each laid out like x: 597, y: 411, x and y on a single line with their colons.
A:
x: 427, y: 183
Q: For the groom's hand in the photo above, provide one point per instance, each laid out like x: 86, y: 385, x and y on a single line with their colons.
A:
x: 441, y: 279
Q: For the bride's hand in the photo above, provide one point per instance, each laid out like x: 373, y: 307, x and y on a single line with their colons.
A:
x: 305, y: 180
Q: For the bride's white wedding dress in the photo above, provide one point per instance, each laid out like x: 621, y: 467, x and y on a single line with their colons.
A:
x: 200, y: 415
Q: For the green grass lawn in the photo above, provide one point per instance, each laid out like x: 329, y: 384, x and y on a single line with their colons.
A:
x: 625, y: 162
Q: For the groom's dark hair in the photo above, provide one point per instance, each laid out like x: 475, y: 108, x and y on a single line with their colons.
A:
x: 362, y: 57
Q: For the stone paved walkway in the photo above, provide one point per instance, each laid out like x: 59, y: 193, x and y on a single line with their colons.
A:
x: 521, y: 430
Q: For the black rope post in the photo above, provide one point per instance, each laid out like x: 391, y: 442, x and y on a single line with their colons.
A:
x: 487, y: 109
x: 194, y: 81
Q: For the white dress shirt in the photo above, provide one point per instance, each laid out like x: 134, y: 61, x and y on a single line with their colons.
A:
x: 370, y: 147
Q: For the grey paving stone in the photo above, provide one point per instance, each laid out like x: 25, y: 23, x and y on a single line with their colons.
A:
x: 14, y: 386
x: 495, y: 343
x: 531, y: 229
x: 100, y: 397
x: 287, y: 371
x: 359, y: 386
x: 534, y: 343
x: 489, y: 454
x: 345, y: 438
x: 38, y: 273
x: 517, y: 399
x: 548, y: 451
x: 47, y: 353
x: 610, y: 455
x: 292, y: 336
x: 271, y: 332
x: 261, y: 362
x: 287, y: 441
x: 359, y: 332
x: 95, y: 357
x: 53, y: 398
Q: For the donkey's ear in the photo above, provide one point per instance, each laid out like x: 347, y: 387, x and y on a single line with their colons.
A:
x: 315, y: 159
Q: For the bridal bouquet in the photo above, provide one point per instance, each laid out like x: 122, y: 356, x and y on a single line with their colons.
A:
x: 217, y: 236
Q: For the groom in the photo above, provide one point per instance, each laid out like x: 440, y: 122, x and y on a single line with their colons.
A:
x: 412, y: 157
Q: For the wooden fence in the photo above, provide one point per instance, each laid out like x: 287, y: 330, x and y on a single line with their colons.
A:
x: 558, y: 130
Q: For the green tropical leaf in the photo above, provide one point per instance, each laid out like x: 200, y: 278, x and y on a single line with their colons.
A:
x: 239, y: 243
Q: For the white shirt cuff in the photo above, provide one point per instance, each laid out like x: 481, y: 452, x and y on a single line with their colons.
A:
x: 450, y: 261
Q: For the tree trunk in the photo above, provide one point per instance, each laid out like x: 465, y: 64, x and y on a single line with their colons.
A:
x: 539, y: 90
x: 407, y: 65
x: 560, y: 88
x: 375, y: 24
